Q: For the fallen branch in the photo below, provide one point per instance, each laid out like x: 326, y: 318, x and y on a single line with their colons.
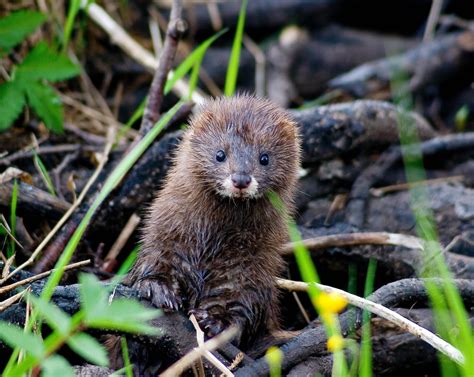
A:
x: 352, y: 239
x: 427, y: 64
x: 32, y: 200
x: 356, y: 208
x: 383, y: 312
x: 334, y: 130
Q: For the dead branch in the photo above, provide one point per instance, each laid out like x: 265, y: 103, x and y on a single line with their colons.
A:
x: 351, y: 239
x: 356, y: 209
x: 176, y: 27
x: 429, y: 63
x: 334, y: 130
x: 32, y: 200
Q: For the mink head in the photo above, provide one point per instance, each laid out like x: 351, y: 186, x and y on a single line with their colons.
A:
x: 243, y: 147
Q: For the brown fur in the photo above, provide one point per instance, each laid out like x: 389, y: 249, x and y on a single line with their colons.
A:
x: 215, y: 256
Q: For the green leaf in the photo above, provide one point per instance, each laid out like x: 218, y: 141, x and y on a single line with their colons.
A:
x: 129, y: 261
x: 42, y: 63
x: 194, y: 59
x: 56, y: 366
x: 90, y: 349
x: 93, y: 296
x: 121, y: 314
x: 461, y: 117
x: 17, y: 25
x: 44, y: 174
x: 233, y: 67
x: 12, y: 101
x: 125, y: 315
x: 14, y: 336
x: 55, y: 317
x: 46, y: 104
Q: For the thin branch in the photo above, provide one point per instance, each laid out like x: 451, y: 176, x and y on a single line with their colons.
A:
x: 433, y: 18
x: 11, y: 300
x: 111, y: 258
x: 208, y: 355
x: 352, y: 239
x: 383, y: 312
x: 185, y: 362
x: 33, y: 278
x: 176, y: 28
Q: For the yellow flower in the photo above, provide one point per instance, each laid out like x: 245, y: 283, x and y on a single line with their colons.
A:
x: 330, y: 302
x: 335, y: 343
x: 274, y: 356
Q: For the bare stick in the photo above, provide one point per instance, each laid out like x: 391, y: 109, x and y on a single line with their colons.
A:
x: 379, y: 191
x: 383, y: 312
x: 31, y: 279
x: 11, y: 300
x: 433, y: 18
x: 208, y: 355
x: 185, y: 362
x: 121, y: 38
x: 352, y: 239
x: 103, y: 160
x: 129, y: 228
x: 176, y: 28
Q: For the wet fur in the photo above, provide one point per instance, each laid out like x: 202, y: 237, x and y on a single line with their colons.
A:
x: 215, y: 256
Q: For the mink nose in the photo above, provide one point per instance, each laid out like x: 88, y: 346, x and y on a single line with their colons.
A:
x: 241, y: 181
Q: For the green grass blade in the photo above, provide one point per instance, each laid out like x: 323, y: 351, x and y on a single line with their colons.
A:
x: 74, y: 6
x: 126, y: 357
x: 128, y: 262
x: 365, y: 367
x: 193, y: 61
x: 233, y: 67
x: 112, y: 181
x: 444, y: 298
x: 44, y: 174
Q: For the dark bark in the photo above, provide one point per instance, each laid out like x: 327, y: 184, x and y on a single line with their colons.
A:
x: 33, y: 201
x: 335, y: 130
x: 428, y: 64
x: 356, y: 209
x: 304, y: 63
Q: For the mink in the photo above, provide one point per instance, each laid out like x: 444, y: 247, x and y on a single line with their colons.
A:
x: 211, y: 238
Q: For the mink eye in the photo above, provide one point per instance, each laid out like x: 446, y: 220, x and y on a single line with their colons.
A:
x: 220, y: 155
x: 264, y: 160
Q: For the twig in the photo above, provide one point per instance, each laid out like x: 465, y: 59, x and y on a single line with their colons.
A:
x: 110, y: 259
x: 185, y: 362
x: 260, y: 63
x: 104, y: 158
x: 61, y: 148
x: 383, y: 312
x: 352, y: 239
x: 33, y: 278
x: 11, y: 300
x: 433, y: 18
x: 208, y: 355
x: 379, y: 191
x: 176, y: 27
x: 121, y: 38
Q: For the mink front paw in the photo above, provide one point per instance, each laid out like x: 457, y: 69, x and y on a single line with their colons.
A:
x: 158, y: 294
x: 211, y: 325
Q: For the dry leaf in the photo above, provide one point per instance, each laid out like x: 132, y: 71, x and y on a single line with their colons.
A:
x: 14, y: 173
